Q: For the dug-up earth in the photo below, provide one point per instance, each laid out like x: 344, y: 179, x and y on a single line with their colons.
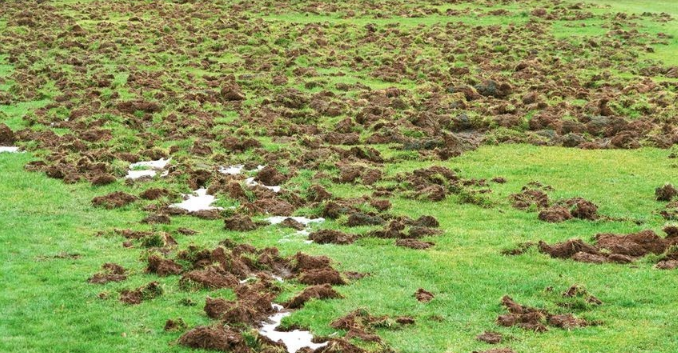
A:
x: 359, y: 176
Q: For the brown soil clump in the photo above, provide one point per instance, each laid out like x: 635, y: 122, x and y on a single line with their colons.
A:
x: 322, y: 276
x: 330, y: 236
x: 157, y: 218
x: 163, y: 267
x: 175, y: 325
x: 217, y: 338
x: 666, y: 192
x: 136, y: 296
x: 211, y: 277
x: 240, y: 223
x: 7, y: 137
x: 307, y: 262
x: 324, y: 291
x: 112, y: 273
x: 555, y: 214
x: 414, y: 244
x: 423, y: 296
x: 154, y: 193
x: 103, y: 179
x: 497, y: 350
x: 490, y: 337
x: 582, y: 209
x: 113, y: 200
x: 530, y: 197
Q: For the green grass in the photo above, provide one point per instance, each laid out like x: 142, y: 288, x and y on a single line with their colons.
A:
x: 52, y: 308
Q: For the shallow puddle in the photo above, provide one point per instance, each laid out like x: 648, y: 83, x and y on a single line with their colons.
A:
x: 293, y: 340
x: 9, y: 149
x: 198, y: 201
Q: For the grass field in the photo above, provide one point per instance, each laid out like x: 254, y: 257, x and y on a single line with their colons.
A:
x: 53, y: 239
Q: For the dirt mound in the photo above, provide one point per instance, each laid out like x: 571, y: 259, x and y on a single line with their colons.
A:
x: 154, y: 193
x: 157, y: 218
x: 240, y: 223
x: 322, y: 276
x: 324, y: 291
x: 666, y: 192
x: 339, y: 346
x: 308, y: 262
x: 426, y: 221
x: 529, y: 198
x: 270, y: 176
x: 211, y: 278
x: 291, y: 223
x: 635, y: 244
x: 360, y: 324
x: 330, y: 236
x: 113, y: 200
x: 490, y: 337
x: 611, y: 247
x: 497, y: 350
x: 423, y: 296
x: 522, y: 316
x: 7, y: 137
x: 414, y: 244
x: 567, y: 249
x: 163, y: 267
x: 217, y: 338
x: 102, y: 179
x: 357, y: 219
x: 582, y: 209
x: 175, y: 325
x: 112, y: 273
x: 150, y: 291
x: 555, y: 214
x: 317, y: 193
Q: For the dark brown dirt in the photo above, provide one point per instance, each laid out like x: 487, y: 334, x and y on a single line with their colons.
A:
x: 317, y: 193
x: 414, y: 244
x: 217, y: 338
x: 291, y: 223
x: 175, y: 325
x: 330, y: 236
x: 322, y: 276
x: 426, y: 221
x: 324, y: 291
x: 308, y: 262
x: 497, y: 350
x: 112, y: 273
x: 339, y: 346
x: 7, y: 137
x: 360, y: 324
x: 490, y: 337
x: 530, y: 197
x: 211, y: 278
x: 113, y: 200
x: 163, y: 267
x: 525, y: 317
x: 240, y: 223
x: 154, y: 193
x: 357, y: 219
x: 555, y: 214
x: 150, y: 291
x: 582, y: 209
x: 666, y: 193
x: 423, y: 296
x: 270, y: 176
x: 157, y: 218
x: 102, y: 179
